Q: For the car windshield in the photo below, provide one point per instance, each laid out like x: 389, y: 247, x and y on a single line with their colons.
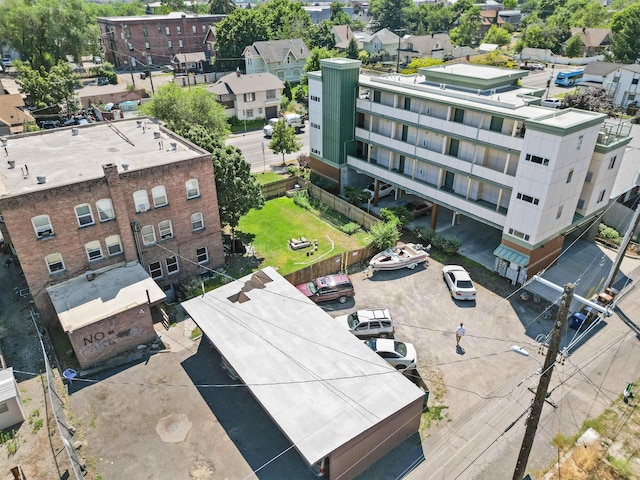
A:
x: 312, y: 287
x: 352, y: 320
x: 465, y: 284
x: 371, y: 343
x: 400, y: 348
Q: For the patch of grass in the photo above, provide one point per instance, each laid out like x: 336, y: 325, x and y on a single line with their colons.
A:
x: 434, y: 414
x: 603, y: 424
x: 621, y: 466
x: 196, y: 333
x: 270, y: 229
x: 250, y: 125
x: 268, y: 177
x: 37, y: 425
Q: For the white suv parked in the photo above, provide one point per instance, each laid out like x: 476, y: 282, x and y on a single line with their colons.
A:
x: 384, y: 189
x: 551, y: 102
x: 374, y: 322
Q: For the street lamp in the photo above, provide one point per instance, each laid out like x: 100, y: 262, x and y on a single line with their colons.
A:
x: 521, y: 351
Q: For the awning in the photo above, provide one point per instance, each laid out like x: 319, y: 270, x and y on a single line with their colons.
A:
x: 512, y: 255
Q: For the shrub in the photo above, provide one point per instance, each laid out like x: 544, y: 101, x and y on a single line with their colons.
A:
x: 384, y: 235
x: 350, y: 228
x: 402, y: 215
x: 301, y: 199
x: 425, y: 235
x: 448, y: 245
x: 292, y: 170
x: 608, y: 233
x: 355, y: 195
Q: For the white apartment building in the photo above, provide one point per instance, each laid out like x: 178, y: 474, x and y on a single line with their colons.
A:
x: 469, y: 139
x: 620, y: 80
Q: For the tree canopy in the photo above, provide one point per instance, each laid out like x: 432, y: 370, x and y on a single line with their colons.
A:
x: 468, y: 30
x: 592, y: 99
x: 625, y: 29
x: 498, y: 36
x: 390, y: 14
x: 417, y: 63
x: 573, y: 47
x: 221, y: 6
x: 180, y: 109
x: 43, y: 88
x: 284, y: 139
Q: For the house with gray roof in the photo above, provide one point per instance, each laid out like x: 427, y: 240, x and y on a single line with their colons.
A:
x: 620, y: 80
x: 382, y: 41
x: 249, y: 97
x: 283, y: 58
x: 436, y: 45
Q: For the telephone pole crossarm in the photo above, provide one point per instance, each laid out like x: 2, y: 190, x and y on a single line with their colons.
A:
x: 543, y: 384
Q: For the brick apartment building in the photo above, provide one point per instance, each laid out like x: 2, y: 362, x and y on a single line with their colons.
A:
x: 77, y: 203
x: 138, y: 41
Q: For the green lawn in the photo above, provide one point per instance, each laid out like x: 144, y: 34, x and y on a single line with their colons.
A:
x: 269, y: 230
x: 268, y: 177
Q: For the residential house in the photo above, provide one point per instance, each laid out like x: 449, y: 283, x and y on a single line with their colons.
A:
x: 138, y: 41
x: 11, y: 411
x: 248, y: 97
x: 596, y: 40
x: 191, y: 62
x: 511, y: 16
x: 383, y: 41
x: 620, y: 80
x: 488, y: 18
x: 106, y: 220
x: 470, y: 140
x: 343, y: 35
x: 13, y: 114
x: 283, y: 58
x: 436, y: 45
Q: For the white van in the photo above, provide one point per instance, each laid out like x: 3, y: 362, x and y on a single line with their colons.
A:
x: 293, y: 120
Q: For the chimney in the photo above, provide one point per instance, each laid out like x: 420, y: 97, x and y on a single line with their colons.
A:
x: 584, y: 29
x: 238, y: 72
x: 41, y: 179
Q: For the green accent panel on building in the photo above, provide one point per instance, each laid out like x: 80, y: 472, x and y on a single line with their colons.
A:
x: 620, y: 142
x: 339, y: 91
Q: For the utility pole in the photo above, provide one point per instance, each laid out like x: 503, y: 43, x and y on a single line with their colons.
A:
x: 543, y: 385
x: 399, y: 31
x: 131, y: 71
x: 623, y: 248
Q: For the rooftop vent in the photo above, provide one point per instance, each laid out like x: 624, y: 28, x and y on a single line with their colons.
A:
x: 3, y: 140
x: 174, y: 146
x: 74, y: 131
x: 125, y: 166
x: 156, y: 134
x: 12, y: 163
x: 139, y: 123
x: 90, y: 275
x: 41, y: 179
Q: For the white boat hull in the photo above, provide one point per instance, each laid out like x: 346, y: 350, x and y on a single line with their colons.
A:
x: 401, y: 256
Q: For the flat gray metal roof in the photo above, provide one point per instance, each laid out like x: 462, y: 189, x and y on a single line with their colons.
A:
x: 64, y: 158
x: 7, y: 385
x: 80, y: 302
x: 320, y: 384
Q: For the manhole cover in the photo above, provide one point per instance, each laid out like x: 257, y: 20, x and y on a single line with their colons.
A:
x: 173, y: 428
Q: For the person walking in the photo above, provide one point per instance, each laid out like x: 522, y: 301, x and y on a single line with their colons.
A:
x: 459, y: 334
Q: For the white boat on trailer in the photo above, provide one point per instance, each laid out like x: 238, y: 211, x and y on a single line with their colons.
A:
x: 404, y: 255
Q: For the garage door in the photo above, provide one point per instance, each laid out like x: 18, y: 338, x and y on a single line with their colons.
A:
x: 271, y: 112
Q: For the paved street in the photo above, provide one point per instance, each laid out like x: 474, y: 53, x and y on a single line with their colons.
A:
x: 253, y: 143
x: 539, y: 78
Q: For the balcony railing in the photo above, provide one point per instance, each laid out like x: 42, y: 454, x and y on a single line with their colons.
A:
x: 613, y: 132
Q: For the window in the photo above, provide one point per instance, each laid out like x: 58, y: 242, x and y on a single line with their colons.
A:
x: 165, y: 229
x: 280, y: 74
x: 559, y: 214
x: 145, y: 33
x: 405, y: 132
x: 260, y: 111
x: 147, y: 45
x: 167, y: 30
x: 496, y: 124
x: 159, y: 195
x: 612, y: 162
x: 159, y: 28
x: 312, y: 97
x: 180, y: 44
x: 202, y: 256
x: 528, y: 198
x: 83, y: 214
x: 4, y: 407
x: 634, y: 81
x: 114, y: 247
x: 296, y: 72
x: 271, y: 94
x: 588, y: 177
x: 454, y: 146
x: 169, y: 44
x: 172, y: 265
x: 197, y: 221
x: 580, y: 204
x: 148, y: 235
x: 179, y: 30
x: 54, y: 263
x: 580, y: 138
x: 94, y: 250
x: 155, y: 270
x: 141, y: 201
x: 249, y: 113
x: 204, y: 28
x: 376, y: 96
x: 130, y: 47
x: 250, y: 97
x: 42, y: 226
x: 104, y: 207
x: 193, y: 190
x: 194, y: 29
x: 536, y: 159
x: 458, y: 115
x: 570, y: 176
x: 518, y: 234
x: 601, y: 196
x: 407, y: 103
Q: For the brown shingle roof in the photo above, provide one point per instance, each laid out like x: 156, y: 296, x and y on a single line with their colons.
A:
x: 593, y: 37
x: 11, y: 113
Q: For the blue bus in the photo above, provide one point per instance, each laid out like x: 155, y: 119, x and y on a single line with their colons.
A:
x: 569, y: 79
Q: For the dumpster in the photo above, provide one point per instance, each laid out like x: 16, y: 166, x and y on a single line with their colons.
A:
x: 577, y: 320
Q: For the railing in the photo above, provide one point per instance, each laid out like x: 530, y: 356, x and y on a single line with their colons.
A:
x: 612, y: 132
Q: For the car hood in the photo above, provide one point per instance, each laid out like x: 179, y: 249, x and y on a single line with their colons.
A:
x: 343, y: 320
x: 304, y: 288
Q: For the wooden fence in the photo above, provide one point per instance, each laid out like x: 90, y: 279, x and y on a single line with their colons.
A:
x: 352, y: 261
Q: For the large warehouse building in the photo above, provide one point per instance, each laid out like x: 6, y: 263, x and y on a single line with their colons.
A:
x: 341, y: 406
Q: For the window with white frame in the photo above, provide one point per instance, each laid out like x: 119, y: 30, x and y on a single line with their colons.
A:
x: 147, y: 45
x: 114, y: 246
x: 194, y: 29
x: 166, y: 230
x: 172, y: 265
x: 559, y: 214
x: 155, y: 270
x: 202, y: 255
x: 167, y: 30
x: 179, y: 30
x: 94, y: 250
x: 204, y: 28
x: 180, y: 43
x: 271, y: 94
x: 601, y: 196
x: 250, y: 97
x: 54, y: 263
x: 169, y: 44
x: 249, y: 113
x: 141, y: 201
x: 84, y: 215
x: 159, y: 195
x: 148, y: 235
x: 42, y: 226
x: 280, y: 74
x: 197, y: 221
x: 193, y: 190
x: 104, y: 207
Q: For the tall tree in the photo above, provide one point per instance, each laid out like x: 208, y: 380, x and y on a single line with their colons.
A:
x: 352, y: 49
x: 339, y: 16
x: 573, y: 47
x: 55, y: 87
x: 180, y: 109
x: 390, y: 14
x: 221, y: 6
x: 317, y: 54
x: 498, y: 36
x: 46, y: 31
x: 625, y: 29
x: 238, y: 191
x: 241, y: 28
x: 468, y: 30
x: 285, y: 19
x: 284, y: 139
x: 321, y: 35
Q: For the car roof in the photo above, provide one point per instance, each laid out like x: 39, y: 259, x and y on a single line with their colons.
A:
x: 458, y: 271
x: 373, y: 313
x: 334, y: 279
